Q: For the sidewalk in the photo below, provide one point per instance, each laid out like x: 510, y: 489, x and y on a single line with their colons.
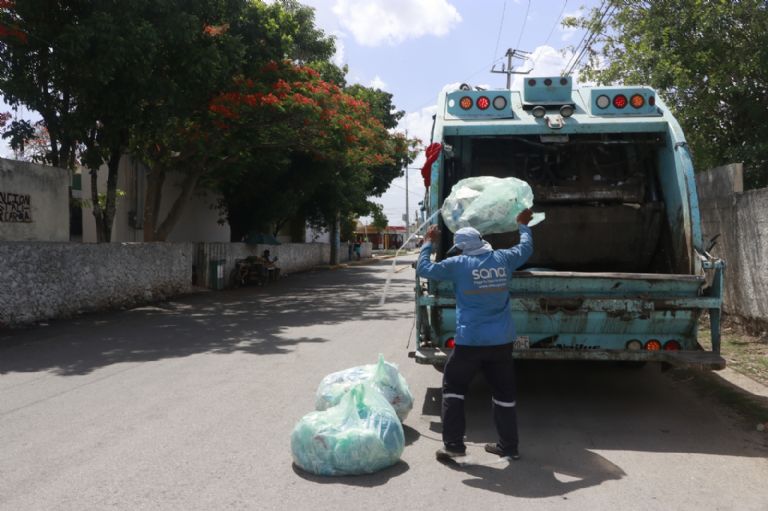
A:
x: 743, y: 382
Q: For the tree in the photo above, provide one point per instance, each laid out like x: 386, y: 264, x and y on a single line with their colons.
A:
x: 189, y: 142
x: 380, y: 221
x: 707, y: 58
x: 298, y: 145
x: 34, y: 73
x: 97, y: 71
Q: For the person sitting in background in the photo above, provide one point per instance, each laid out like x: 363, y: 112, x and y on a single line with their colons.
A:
x: 271, y: 270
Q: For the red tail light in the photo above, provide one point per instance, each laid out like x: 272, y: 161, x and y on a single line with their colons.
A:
x: 672, y: 346
x: 619, y: 101
x: 450, y: 343
x: 653, y: 345
x: 483, y: 103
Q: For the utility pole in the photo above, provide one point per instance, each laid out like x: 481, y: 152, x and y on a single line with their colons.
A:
x: 407, y: 214
x: 519, y: 54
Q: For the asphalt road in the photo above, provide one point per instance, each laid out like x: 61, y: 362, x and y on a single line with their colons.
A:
x: 190, y: 405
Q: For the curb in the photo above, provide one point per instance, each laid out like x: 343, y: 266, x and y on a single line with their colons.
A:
x: 743, y: 382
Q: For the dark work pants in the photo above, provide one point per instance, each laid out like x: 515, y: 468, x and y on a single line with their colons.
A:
x: 498, y: 368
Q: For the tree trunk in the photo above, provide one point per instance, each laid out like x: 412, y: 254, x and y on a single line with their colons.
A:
x: 154, y: 228
x: 98, y: 214
x: 335, y: 240
x: 187, y: 189
x: 152, y: 198
x: 113, y: 166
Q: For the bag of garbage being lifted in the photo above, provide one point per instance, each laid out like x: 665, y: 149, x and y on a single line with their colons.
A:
x: 383, y: 375
x: 489, y: 204
x: 360, y: 435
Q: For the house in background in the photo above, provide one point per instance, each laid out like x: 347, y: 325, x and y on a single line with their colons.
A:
x: 34, y: 201
x: 390, y: 238
x: 200, y: 220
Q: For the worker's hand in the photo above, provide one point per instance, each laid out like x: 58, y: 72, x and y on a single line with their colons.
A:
x: 433, y: 233
x: 524, y: 216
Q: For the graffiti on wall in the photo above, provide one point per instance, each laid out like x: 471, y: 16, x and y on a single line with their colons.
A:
x: 15, y: 207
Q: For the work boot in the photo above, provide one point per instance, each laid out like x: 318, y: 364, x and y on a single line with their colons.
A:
x: 498, y: 451
x: 450, y: 454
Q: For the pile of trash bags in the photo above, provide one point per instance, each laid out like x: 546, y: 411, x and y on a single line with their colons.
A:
x: 489, y: 204
x: 355, y: 429
x: 383, y: 376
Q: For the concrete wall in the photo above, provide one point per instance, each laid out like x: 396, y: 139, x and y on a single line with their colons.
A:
x: 50, y: 280
x: 34, y: 202
x: 199, y: 221
x: 741, y: 220
x: 292, y: 257
x: 41, y: 281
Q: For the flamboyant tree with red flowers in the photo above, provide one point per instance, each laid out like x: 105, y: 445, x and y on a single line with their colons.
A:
x: 235, y: 96
x: 282, y: 143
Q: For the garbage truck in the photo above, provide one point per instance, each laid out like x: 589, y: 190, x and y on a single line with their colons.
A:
x: 619, y: 271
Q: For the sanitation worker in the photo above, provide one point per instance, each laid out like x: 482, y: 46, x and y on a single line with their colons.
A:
x: 484, y: 331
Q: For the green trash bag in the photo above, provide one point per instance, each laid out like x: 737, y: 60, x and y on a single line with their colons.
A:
x: 383, y: 375
x: 489, y: 204
x: 360, y: 435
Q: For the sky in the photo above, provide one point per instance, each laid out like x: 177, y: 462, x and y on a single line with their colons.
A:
x: 414, y: 49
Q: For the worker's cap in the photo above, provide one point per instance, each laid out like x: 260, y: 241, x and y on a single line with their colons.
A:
x: 469, y: 241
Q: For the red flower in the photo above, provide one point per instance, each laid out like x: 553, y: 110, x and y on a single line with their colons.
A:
x: 215, y: 30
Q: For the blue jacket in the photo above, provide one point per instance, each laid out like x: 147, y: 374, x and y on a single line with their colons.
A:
x: 483, y: 314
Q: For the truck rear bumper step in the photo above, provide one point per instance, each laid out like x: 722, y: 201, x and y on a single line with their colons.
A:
x: 704, y: 360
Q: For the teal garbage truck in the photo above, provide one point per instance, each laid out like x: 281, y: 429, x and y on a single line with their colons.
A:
x: 620, y: 271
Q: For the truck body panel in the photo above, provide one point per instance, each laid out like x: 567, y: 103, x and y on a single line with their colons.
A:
x: 619, y: 261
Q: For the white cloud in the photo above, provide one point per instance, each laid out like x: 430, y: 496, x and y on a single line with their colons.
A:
x: 544, y: 61
x: 338, y: 57
x: 378, y: 83
x: 376, y: 22
x: 568, y: 33
x: 418, y: 125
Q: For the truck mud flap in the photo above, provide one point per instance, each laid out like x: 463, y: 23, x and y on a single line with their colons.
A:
x: 702, y: 360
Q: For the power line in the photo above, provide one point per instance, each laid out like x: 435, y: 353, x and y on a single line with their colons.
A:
x: 501, y: 26
x: 590, y: 37
x: 552, y: 31
x: 409, y: 191
x: 583, y: 39
x: 554, y: 25
x: 525, y: 21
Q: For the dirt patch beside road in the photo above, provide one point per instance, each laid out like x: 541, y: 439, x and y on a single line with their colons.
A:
x: 744, y: 352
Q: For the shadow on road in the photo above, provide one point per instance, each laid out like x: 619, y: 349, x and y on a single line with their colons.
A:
x: 364, y: 481
x: 572, y: 414
x: 251, y: 320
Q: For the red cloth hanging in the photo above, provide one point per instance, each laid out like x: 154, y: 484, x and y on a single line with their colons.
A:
x: 432, y: 152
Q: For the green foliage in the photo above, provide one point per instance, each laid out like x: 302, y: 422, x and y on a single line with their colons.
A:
x: 299, y: 145
x: 347, y: 230
x: 707, y: 58
x: 239, y: 96
x: 379, y: 218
